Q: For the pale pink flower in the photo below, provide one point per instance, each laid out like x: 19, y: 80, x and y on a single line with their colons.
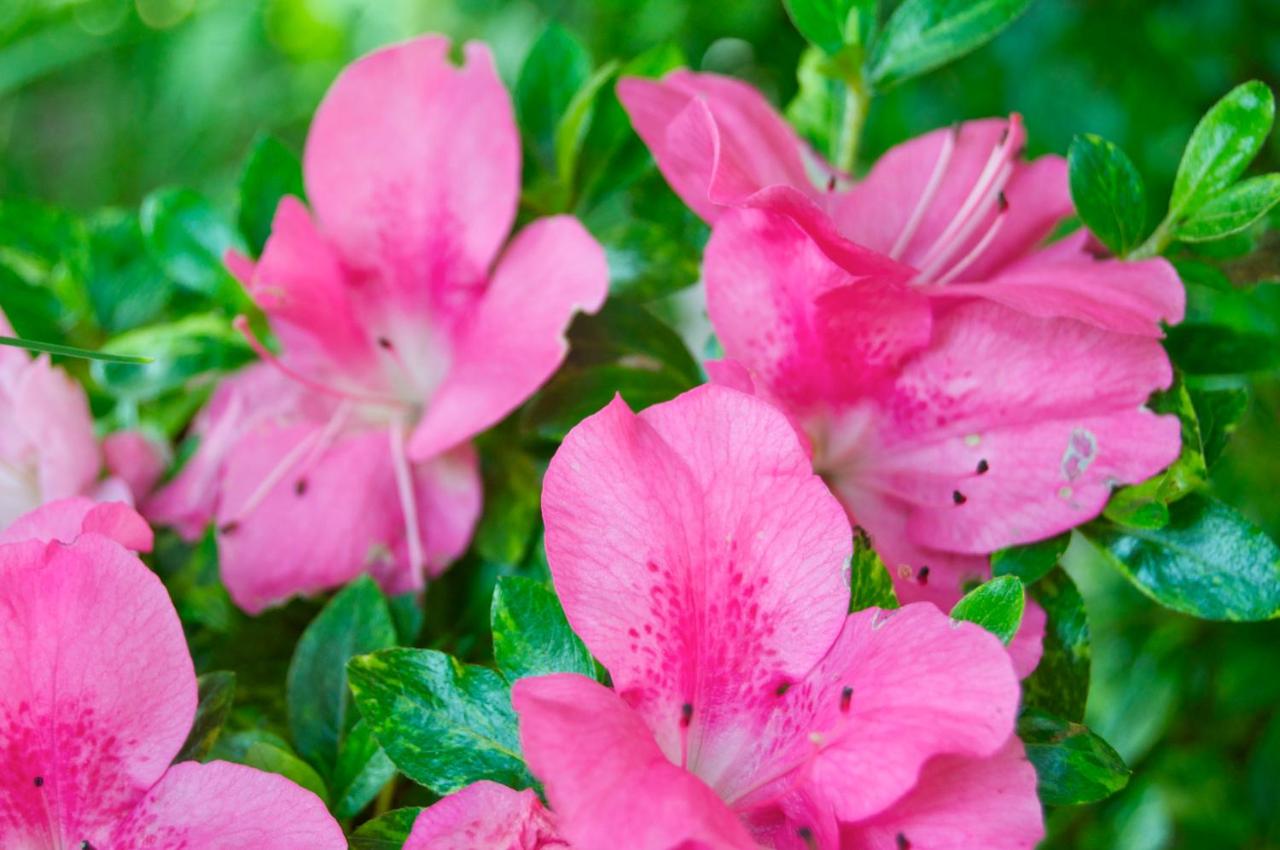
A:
x: 48, y: 449
x: 97, y: 695
x: 957, y: 211
x: 485, y: 816
x: 704, y: 565
x: 404, y: 333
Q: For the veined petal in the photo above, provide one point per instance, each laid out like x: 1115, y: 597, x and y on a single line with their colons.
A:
x: 483, y: 816
x: 66, y: 519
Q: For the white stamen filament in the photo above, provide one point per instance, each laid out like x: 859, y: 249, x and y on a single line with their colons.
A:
x: 274, y: 477
x: 408, y: 502
x: 926, y: 197
x: 978, y: 250
x: 970, y: 223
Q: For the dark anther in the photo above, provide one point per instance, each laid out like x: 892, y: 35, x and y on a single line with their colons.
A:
x: 1004, y: 136
x: 846, y: 698
x: 85, y: 845
x: 831, y: 183
x: 39, y: 781
x: 229, y: 527
x: 922, y: 577
x: 686, y: 714
x: 806, y: 835
x: 300, y: 486
x: 955, y: 130
x: 383, y: 342
x: 1002, y: 202
x: 958, y: 497
x: 903, y: 843
x: 783, y: 688
x: 983, y: 466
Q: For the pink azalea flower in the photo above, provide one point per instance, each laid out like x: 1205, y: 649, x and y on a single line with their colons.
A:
x: 947, y: 430
x: 957, y: 211
x: 485, y: 816
x: 404, y: 334
x: 704, y: 564
x: 48, y: 449
x: 97, y: 695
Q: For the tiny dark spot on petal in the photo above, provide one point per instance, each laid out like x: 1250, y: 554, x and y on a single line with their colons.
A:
x: 846, y: 698
x: 922, y: 577
x: 806, y: 835
x: 1002, y: 202
x: 783, y: 688
x: 983, y: 466
x: 903, y: 843
x: 300, y: 486
x: 229, y: 527
x: 686, y: 714
x: 831, y: 183
x: 958, y: 497
x: 383, y: 342
x: 39, y: 781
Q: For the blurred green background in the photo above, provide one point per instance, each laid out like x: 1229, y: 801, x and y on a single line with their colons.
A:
x: 102, y: 101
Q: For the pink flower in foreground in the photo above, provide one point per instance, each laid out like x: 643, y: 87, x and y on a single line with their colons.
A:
x: 48, y: 449
x: 97, y: 695
x: 704, y: 565
x: 957, y: 212
x: 404, y: 334
x: 947, y: 431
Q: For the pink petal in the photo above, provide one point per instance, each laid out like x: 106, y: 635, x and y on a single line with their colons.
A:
x: 224, y: 806
x: 515, y: 340
x: 1127, y: 297
x: 801, y: 324
x: 66, y: 519
x: 483, y: 816
x: 897, y: 689
x: 960, y: 804
x: 702, y: 519
x: 413, y: 168
x: 97, y: 691
x: 136, y: 459
x: 716, y: 140
x: 606, y: 777
x: 450, y: 496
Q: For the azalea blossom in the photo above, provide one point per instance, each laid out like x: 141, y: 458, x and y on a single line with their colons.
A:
x: 405, y: 327
x: 704, y: 565
x: 485, y: 816
x: 48, y: 449
x: 97, y: 696
x: 957, y: 212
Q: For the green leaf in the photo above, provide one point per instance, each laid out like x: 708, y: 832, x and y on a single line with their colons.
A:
x: 271, y: 172
x: 923, y: 34
x: 69, y: 351
x: 1032, y: 561
x: 576, y: 393
x: 870, y: 585
x: 996, y: 606
x: 1208, y: 349
x: 833, y: 24
x: 445, y: 724
x: 1223, y: 144
x: 1231, y: 210
x: 385, y: 832
x: 274, y: 759
x: 44, y: 259
x: 531, y: 636
x: 574, y: 124
x: 650, y: 260
x: 1108, y: 192
x: 1218, y: 412
x: 512, y: 492
x: 1073, y: 765
x: 1209, y: 561
x: 1060, y: 683
x: 126, y: 287
x: 217, y: 693
x: 188, y: 238
x: 180, y: 352
x: 556, y: 68
x: 355, y: 622
x: 362, y: 769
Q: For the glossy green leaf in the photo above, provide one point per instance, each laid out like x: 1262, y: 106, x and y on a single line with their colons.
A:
x: 271, y: 172
x: 126, y: 287
x: 276, y: 759
x: 1208, y: 561
x: 1210, y: 349
x: 1073, y: 765
x: 870, y: 585
x: 1223, y: 144
x: 1231, y: 210
x: 361, y: 771
x: 1219, y: 413
x: 512, y: 491
x: 572, y: 129
x: 1060, y: 683
x: 1032, y: 561
x: 531, y: 636
x: 181, y: 352
x: 997, y: 606
x: 650, y: 260
x: 1108, y: 191
x: 70, y: 351
x: 385, y: 832
x: 44, y: 261
x: 923, y: 34
x: 217, y: 693
x: 187, y: 237
x: 833, y: 25
x: 576, y: 393
x: 445, y: 724
x: 355, y: 622
x: 556, y: 68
